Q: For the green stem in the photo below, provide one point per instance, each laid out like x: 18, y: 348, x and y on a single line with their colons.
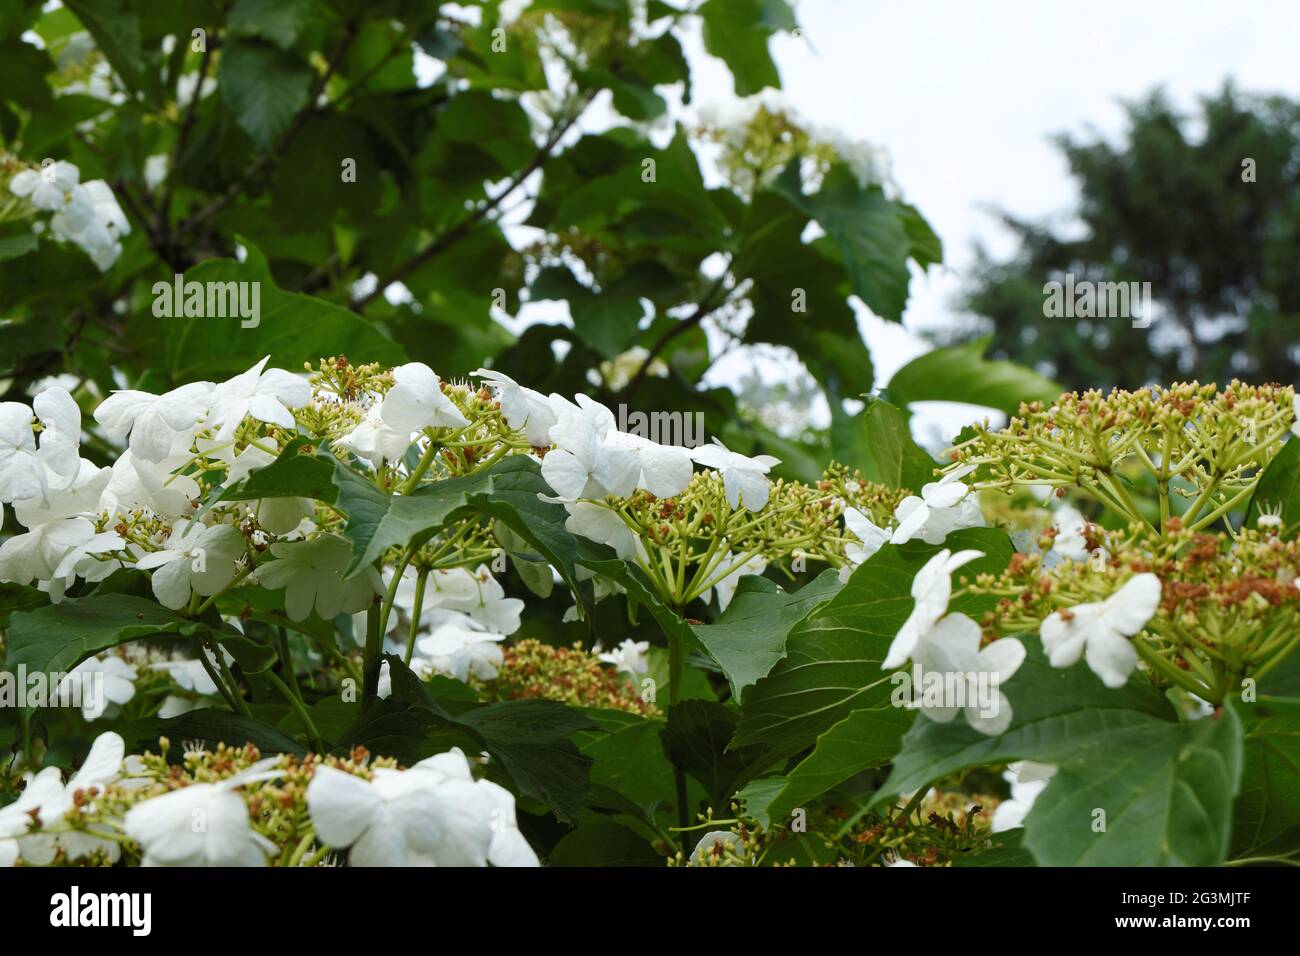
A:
x: 234, y: 684
x: 286, y: 659
x: 298, y: 709
x: 421, y: 580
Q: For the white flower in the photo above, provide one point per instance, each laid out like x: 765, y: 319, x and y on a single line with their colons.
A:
x: 603, y: 525
x: 312, y: 574
x: 189, y: 83
x: 189, y: 674
x: 478, y: 595
x: 664, y: 470
x: 155, y: 170
x: 630, y: 656
x: 583, y: 465
x: 159, y: 425
x: 204, y: 824
x: 952, y: 649
x: 375, y: 441
x: 102, y: 766
x: 97, y: 682
x: 943, y: 507
x: 931, y: 590
x: 266, y: 395
x: 459, y: 650
x: 138, y: 484
x: 194, y: 558
x: 417, y: 401
x: 58, y: 528
x: 16, y: 819
x: 522, y: 407
x: 29, y: 471
x: 86, y: 560
x: 1102, y: 629
x: 48, y: 186
x: 1028, y: 779
x: 870, y: 538
x: 745, y: 479
x: 433, y: 814
x: 1071, y: 540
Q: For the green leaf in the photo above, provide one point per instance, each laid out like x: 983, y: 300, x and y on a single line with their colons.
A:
x: 879, y: 443
x: 833, y: 657
x: 867, y: 229
x: 1279, y: 488
x: 863, y: 739
x: 531, y: 740
x: 58, y: 637
x: 1007, y: 850
x: 264, y: 86
x: 11, y: 247
x: 960, y: 373
x: 1166, y: 791
x: 295, y: 473
x: 749, y: 638
x: 1058, y: 714
x: 737, y: 31
x: 628, y: 759
x: 216, y: 347
x: 696, y: 740
x: 603, y: 843
x: 279, y: 21
x: 1267, y: 813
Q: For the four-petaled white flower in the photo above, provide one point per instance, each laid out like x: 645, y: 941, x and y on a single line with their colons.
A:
x: 16, y: 817
x: 1071, y: 534
x: 931, y: 590
x: 194, y: 558
x: 311, y: 572
x: 1028, y: 779
x: 102, y: 766
x: 943, y: 506
x: 952, y: 649
x: 204, y: 824
x: 743, y: 478
x: 583, y: 465
x: 417, y: 401
x: 97, y: 682
x: 629, y: 657
x: 870, y: 537
x: 603, y: 525
x: 1100, y: 630
x: 29, y: 470
x: 374, y: 440
x: 434, y: 814
x: 457, y: 649
x: 266, y: 394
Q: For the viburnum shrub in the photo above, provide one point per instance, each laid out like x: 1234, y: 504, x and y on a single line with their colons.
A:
x: 289, y: 592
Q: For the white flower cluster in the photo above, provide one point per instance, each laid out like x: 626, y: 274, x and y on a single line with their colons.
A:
x: 433, y: 814
x: 943, y: 506
x: 63, y: 499
x: 85, y: 214
x: 46, y: 800
x: 464, y: 617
